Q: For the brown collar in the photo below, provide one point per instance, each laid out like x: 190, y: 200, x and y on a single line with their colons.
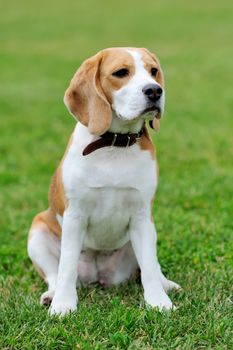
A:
x: 113, y: 139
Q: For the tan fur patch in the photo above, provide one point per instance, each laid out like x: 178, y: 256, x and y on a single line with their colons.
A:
x: 146, y: 144
x: 47, y: 221
x: 57, y: 199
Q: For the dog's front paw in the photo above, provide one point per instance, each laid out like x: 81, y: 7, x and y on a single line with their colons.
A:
x: 173, y: 285
x: 169, y: 285
x: 159, y: 300
x: 62, y: 306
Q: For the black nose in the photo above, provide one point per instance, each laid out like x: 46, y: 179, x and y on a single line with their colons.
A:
x: 153, y: 92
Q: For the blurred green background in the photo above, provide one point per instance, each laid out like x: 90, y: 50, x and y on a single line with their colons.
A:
x: 41, y: 45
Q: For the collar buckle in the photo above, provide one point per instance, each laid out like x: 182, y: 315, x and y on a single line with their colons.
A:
x: 128, y: 141
x: 114, y: 140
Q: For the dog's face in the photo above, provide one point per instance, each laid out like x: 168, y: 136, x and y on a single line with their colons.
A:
x: 132, y: 80
x: 128, y: 81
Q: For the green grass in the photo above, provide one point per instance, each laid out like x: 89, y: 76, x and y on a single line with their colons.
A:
x: 42, y: 43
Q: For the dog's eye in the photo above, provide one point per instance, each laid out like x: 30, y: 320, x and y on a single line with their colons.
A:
x: 154, y: 71
x: 121, y: 73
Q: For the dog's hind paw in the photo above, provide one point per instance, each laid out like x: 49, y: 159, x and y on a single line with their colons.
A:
x: 47, y: 297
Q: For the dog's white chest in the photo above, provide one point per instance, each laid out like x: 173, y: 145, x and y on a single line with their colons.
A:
x: 109, y: 212
x: 107, y: 188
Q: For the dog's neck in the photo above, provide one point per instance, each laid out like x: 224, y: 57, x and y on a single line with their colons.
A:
x: 125, y: 126
x: 117, y: 126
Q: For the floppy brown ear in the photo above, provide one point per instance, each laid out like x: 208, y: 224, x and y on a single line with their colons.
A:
x: 155, y: 123
x: 85, y: 99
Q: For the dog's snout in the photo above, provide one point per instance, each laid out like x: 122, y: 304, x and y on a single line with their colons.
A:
x: 153, y: 92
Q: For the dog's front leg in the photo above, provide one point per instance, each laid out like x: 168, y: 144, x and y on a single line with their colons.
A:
x: 143, y: 239
x: 73, y: 231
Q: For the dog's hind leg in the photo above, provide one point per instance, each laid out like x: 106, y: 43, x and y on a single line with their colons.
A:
x: 44, y: 251
x: 117, y: 266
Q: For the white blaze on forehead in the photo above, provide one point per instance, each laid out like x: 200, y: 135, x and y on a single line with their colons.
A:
x: 140, y: 70
x: 139, y: 64
x: 129, y: 102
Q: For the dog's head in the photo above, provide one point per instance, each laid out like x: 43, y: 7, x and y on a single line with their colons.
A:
x: 128, y: 81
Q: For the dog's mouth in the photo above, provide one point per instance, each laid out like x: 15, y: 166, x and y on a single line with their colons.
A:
x: 150, y: 112
x: 155, y: 109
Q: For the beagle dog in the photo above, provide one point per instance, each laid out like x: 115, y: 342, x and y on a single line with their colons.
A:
x: 99, y: 225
